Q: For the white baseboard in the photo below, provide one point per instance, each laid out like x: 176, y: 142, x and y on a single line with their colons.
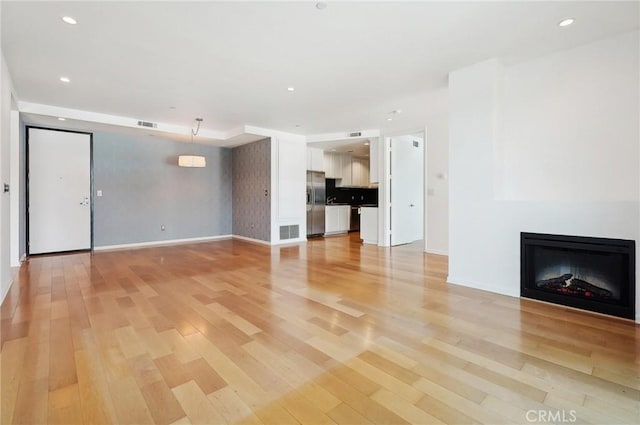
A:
x: 24, y: 257
x: 252, y: 240
x: 484, y: 287
x: 158, y: 243
x: 436, y: 251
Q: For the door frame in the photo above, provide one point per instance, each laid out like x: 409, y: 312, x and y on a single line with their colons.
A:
x: 91, y: 200
x: 384, y: 195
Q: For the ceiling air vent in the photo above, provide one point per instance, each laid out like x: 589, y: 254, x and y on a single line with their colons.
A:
x: 147, y: 124
x: 356, y: 134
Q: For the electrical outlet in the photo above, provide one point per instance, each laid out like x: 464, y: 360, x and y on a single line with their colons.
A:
x: 163, y: 227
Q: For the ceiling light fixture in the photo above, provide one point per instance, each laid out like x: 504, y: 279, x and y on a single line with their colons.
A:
x: 291, y: 88
x: 65, y: 79
x: 193, y: 161
x: 69, y: 20
x: 389, y: 119
x: 566, y: 22
x: 321, y: 5
x: 61, y: 119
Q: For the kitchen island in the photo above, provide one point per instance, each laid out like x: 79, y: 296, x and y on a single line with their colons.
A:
x: 369, y: 225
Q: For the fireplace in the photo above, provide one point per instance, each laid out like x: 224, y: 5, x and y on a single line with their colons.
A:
x: 594, y: 274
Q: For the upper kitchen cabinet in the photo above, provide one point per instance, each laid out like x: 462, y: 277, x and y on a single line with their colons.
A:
x: 360, y: 172
x: 315, y: 159
x: 373, y: 160
x: 355, y: 172
x: 332, y: 165
x: 347, y: 179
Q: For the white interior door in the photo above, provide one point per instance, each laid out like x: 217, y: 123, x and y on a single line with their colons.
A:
x: 407, y: 161
x: 59, y: 191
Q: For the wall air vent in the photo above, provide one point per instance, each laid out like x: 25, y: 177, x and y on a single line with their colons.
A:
x: 356, y: 134
x: 147, y: 124
x: 289, y: 232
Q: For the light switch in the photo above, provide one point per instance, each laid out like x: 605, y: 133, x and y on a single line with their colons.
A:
x: 99, y: 193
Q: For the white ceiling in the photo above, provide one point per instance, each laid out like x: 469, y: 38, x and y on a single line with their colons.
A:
x: 231, y: 63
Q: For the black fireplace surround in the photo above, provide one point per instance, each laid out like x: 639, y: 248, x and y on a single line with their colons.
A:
x: 594, y: 274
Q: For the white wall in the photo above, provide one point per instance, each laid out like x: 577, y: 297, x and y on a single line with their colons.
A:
x: 568, y: 120
x: 288, y: 182
x: 6, y: 90
x: 437, y: 189
x: 436, y: 220
x: 498, y: 145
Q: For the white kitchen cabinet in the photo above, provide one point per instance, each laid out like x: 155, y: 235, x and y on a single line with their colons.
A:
x: 360, y: 172
x: 336, y: 219
x: 373, y: 160
x: 346, y: 170
x: 315, y: 159
x: 333, y: 165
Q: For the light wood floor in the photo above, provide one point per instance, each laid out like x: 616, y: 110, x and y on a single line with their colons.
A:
x: 327, y: 332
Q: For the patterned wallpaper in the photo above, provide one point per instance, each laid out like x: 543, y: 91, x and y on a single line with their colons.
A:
x: 251, y: 180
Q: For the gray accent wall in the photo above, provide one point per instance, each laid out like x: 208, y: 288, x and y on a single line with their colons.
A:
x: 143, y: 189
x: 252, y: 190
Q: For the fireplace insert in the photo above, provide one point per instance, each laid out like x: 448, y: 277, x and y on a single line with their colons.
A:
x: 594, y: 274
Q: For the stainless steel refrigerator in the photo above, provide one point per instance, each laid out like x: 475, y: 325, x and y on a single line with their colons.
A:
x: 316, y: 196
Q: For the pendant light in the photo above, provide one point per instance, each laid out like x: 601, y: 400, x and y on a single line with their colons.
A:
x: 193, y: 160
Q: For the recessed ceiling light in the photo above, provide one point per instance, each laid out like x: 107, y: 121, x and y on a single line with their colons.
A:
x: 389, y: 119
x: 61, y: 119
x: 65, y: 79
x: 333, y: 150
x: 69, y: 20
x: 321, y: 5
x: 291, y: 88
x: 366, y: 143
x: 566, y: 22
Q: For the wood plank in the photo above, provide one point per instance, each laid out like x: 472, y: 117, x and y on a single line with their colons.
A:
x: 162, y: 404
x: 196, y: 405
